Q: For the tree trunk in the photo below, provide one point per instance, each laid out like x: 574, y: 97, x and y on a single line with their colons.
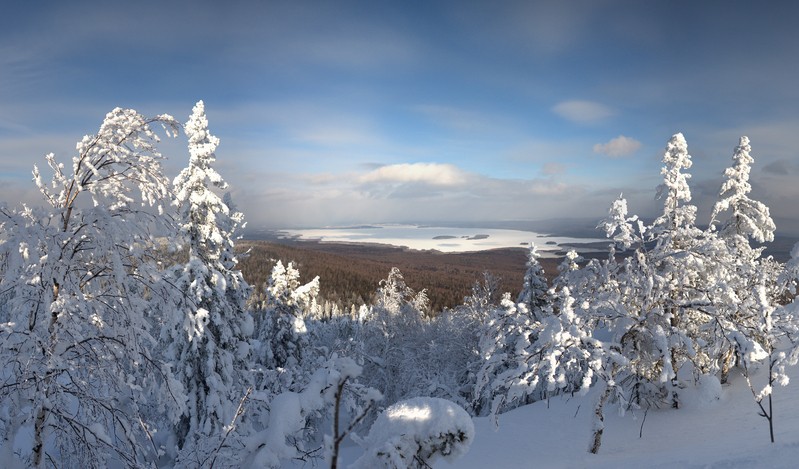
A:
x: 40, y: 424
x: 599, y: 420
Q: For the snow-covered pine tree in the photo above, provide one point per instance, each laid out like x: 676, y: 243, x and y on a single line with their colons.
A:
x: 77, y: 278
x: 208, y: 329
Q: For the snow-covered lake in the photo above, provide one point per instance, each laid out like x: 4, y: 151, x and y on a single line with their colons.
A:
x: 444, y: 239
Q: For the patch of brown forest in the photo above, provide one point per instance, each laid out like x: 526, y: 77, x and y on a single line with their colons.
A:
x: 350, y: 273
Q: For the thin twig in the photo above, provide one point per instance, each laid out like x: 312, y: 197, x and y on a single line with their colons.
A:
x: 232, y: 426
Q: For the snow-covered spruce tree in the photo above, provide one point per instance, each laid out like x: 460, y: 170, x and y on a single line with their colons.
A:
x: 568, y: 266
x: 525, y: 357
x: 526, y: 360
x: 77, y: 280
x: 281, y: 329
x: 535, y: 291
x: 747, y: 220
x: 207, y: 329
x: 664, y: 306
x: 504, y: 340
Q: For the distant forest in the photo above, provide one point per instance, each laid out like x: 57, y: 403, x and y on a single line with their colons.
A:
x: 349, y: 274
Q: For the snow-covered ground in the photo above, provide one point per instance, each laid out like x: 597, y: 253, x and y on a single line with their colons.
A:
x: 444, y: 239
x: 707, y: 432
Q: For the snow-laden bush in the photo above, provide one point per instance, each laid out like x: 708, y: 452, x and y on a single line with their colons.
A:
x: 415, y: 432
x: 284, y: 432
x: 76, y: 276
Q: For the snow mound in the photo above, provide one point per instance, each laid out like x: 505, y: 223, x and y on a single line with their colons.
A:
x: 416, y: 432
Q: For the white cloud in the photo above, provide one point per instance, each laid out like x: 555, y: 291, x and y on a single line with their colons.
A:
x: 434, y: 174
x: 617, y: 147
x: 583, y: 112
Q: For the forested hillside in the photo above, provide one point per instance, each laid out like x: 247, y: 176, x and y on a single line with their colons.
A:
x: 132, y: 336
x: 350, y: 273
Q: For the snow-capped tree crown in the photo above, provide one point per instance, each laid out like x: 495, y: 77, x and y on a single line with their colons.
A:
x: 535, y: 291
x: 619, y: 226
x: 112, y: 165
x: 207, y: 220
x: 747, y: 218
x: 675, y: 189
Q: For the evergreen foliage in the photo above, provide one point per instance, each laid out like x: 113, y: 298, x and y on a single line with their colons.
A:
x: 206, y: 326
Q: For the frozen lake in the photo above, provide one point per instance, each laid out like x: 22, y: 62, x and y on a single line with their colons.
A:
x: 444, y: 239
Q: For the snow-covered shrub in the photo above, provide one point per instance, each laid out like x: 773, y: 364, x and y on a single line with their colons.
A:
x: 393, y: 340
x: 283, y: 432
x: 416, y: 432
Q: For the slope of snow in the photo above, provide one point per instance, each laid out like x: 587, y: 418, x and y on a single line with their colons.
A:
x: 712, y: 430
x: 706, y: 432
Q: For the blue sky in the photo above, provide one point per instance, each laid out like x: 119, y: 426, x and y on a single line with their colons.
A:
x: 394, y: 111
